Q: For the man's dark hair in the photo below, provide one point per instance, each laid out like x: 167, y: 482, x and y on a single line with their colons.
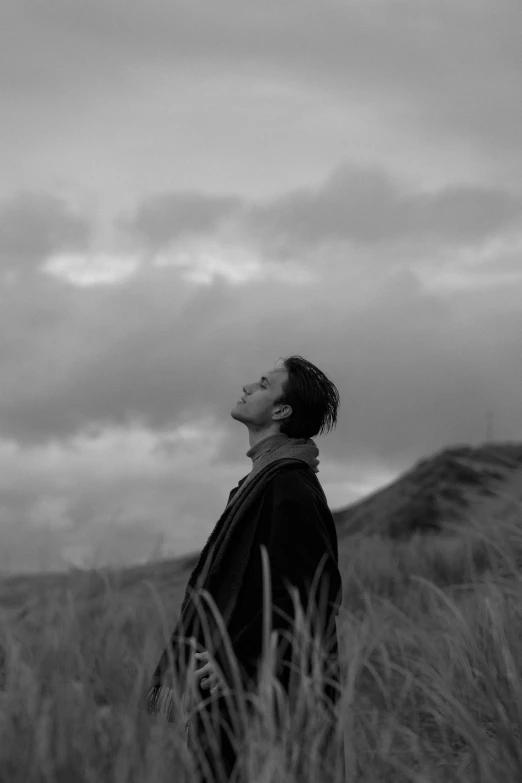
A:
x: 313, y: 398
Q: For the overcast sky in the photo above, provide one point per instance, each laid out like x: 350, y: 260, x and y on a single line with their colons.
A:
x: 192, y: 190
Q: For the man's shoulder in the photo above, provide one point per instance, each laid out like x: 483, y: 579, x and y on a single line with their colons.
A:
x: 291, y: 470
x: 295, y: 478
x: 299, y: 488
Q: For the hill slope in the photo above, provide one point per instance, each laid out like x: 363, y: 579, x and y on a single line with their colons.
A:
x: 440, y: 493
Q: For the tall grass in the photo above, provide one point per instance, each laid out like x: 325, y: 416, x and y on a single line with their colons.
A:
x: 431, y: 662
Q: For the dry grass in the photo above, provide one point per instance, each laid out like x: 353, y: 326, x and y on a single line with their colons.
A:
x: 430, y: 634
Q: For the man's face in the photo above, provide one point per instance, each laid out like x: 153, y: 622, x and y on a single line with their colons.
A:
x: 258, y: 409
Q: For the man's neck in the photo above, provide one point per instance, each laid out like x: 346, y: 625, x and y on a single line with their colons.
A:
x: 256, y: 437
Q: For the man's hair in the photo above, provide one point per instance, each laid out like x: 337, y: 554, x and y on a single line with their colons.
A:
x: 313, y: 398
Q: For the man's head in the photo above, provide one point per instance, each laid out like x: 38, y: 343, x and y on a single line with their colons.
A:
x: 295, y: 399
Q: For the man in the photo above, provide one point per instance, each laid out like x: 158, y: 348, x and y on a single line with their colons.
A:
x: 279, y: 505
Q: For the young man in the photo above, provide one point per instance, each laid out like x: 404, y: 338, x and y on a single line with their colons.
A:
x: 280, y: 505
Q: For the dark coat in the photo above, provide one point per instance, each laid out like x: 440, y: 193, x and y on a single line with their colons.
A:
x: 297, y: 528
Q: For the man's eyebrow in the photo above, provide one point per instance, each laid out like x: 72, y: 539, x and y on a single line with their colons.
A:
x: 263, y: 378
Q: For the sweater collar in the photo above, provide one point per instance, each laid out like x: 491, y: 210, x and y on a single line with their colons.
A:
x: 266, y: 445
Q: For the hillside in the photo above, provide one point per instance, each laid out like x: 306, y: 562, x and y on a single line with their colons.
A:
x: 440, y: 493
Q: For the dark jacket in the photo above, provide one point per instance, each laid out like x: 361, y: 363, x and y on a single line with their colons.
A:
x: 297, y: 528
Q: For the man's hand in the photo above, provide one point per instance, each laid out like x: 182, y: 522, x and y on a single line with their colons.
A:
x: 208, y: 674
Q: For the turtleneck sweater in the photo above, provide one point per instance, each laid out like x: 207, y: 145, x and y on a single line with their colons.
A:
x: 272, y: 442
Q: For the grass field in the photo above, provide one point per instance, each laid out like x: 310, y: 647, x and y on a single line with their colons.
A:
x: 430, y: 633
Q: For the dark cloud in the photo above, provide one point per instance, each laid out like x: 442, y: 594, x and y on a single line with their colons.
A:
x: 156, y: 350
x: 165, y: 217
x: 368, y: 206
x: 415, y: 368
x: 361, y: 205
x: 104, y: 355
x: 35, y: 225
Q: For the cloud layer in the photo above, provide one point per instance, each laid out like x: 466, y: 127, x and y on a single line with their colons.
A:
x: 359, y: 205
x: 35, y: 225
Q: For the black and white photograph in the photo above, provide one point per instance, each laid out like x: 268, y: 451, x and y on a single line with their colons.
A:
x: 260, y: 391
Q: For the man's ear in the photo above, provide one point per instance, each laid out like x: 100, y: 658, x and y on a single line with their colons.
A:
x: 285, y: 412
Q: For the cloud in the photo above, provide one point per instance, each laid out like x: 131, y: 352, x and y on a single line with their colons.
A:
x: 362, y: 205
x: 160, y: 352
x: 111, y: 494
x: 164, y: 217
x: 80, y: 367
x: 135, y: 351
x: 368, y: 206
x: 35, y: 225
